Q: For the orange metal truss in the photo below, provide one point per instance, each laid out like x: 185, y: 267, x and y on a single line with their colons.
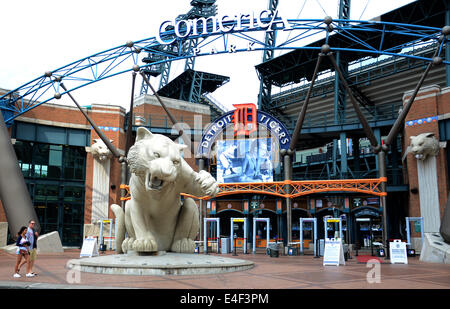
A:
x: 292, y: 189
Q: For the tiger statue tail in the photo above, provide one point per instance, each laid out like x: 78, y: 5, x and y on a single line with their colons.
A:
x: 120, y: 226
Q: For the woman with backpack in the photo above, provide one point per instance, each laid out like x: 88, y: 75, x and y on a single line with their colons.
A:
x: 22, y: 252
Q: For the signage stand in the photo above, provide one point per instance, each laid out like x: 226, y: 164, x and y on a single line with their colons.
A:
x: 334, y: 253
x: 89, y: 248
x: 397, y: 252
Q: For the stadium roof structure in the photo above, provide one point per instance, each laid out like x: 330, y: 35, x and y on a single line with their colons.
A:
x: 182, y: 86
x: 300, y: 63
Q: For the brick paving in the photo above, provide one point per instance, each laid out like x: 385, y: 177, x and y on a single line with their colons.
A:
x: 284, y: 272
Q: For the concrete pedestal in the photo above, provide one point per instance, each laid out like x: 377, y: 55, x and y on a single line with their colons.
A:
x: 49, y: 243
x: 435, y: 250
x: 3, y: 233
x: 160, y: 264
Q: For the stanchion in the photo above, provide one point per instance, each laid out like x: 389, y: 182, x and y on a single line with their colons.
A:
x: 317, y: 255
x: 234, y: 249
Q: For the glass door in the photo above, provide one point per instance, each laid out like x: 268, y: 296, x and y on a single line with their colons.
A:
x: 61, y: 209
x: 72, y: 216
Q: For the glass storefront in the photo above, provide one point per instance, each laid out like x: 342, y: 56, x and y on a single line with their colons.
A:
x: 55, y: 177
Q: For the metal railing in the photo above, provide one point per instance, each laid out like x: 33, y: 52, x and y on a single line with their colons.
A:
x: 161, y: 121
x: 388, y: 111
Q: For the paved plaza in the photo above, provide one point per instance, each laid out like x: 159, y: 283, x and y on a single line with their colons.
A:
x: 284, y: 272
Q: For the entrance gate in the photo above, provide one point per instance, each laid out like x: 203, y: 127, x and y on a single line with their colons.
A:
x: 205, y: 234
x: 236, y: 220
x: 314, y: 230
x: 110, y: 239
x: 267, y: 221
x: 326, y: 221
x: 408, y: 230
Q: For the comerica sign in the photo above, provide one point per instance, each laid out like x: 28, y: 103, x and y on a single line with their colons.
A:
x: 182, y: 29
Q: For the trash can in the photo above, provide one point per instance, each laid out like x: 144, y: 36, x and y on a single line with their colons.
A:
x: 346, y: 250
x: 273, y: 250
x: 292, y: 250
x: 225, y: 245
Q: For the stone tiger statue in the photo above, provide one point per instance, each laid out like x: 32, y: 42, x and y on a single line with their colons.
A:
x: 99, y: 150
x: 155, y: 219
x: 422, y: 146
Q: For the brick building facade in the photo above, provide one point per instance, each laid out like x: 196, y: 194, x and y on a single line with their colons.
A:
x: 45, y: 124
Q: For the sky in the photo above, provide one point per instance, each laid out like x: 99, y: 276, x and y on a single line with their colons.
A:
x: 40, y: 36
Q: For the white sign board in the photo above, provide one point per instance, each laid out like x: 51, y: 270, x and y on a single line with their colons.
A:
x: 89, y: 247
x: 397, y: 252
x: 334, y: 253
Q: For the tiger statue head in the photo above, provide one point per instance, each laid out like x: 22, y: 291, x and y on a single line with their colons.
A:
x: 156, y: 159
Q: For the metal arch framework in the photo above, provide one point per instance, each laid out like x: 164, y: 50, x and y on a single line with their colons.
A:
x: 298, y: 188
x: 124, y: 58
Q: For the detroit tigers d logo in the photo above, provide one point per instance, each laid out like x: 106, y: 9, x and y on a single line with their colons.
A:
x: 243, y: 117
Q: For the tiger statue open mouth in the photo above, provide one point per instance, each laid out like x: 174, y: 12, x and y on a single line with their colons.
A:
x: 155, y: 218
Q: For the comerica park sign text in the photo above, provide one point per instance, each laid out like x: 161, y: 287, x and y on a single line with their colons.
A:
x: 182, y: 29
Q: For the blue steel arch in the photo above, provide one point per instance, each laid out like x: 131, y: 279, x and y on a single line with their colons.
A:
x: 123, y: 58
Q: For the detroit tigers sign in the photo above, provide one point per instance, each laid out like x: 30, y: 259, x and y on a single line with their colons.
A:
x: 245, y: 120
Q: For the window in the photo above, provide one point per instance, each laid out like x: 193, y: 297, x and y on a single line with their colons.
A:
x: 38, y: 160
x: 73, y: 194
x: 74, y: 163
x: 24, y: 154
x: 55, y: 161
x: 54, y: 170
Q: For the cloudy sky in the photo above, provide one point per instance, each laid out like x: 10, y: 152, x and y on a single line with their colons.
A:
x: 44, y: 35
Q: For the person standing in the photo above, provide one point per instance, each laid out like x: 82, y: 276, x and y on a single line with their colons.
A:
x: 22, y: 252
x: 32, y: 237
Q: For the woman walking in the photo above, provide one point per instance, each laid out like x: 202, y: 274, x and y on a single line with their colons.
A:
x: 22, y: 252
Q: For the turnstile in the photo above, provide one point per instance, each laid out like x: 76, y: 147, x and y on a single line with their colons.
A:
x: 267, y: 221
x: 232, y: 222
x: 314, y: 222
